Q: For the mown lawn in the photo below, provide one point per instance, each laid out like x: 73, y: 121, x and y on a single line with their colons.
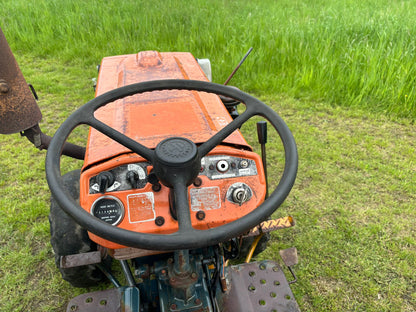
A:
x: 340, y: 73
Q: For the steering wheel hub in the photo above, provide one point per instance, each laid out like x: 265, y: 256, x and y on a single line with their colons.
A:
x: 176, y: 151
x: 176, y: 158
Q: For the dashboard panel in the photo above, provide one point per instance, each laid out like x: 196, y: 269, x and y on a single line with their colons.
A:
x: 125, y: 193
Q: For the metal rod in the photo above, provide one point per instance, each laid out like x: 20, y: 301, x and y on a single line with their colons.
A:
x: 110, y: 276
x: 294, y: 276
x: 238, y: 66
x: 181, y: 265
x: 42, y: 141
x: 127, y: 273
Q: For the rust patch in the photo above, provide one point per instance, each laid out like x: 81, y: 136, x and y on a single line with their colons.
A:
x: 259, y: 287
x: 18, y: 108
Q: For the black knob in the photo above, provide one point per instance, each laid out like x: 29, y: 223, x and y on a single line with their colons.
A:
x: 133, y: 178
x: 105, y: 180
x: 262, y: 132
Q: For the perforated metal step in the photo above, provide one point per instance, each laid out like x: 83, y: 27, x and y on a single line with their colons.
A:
x: 259, y: 287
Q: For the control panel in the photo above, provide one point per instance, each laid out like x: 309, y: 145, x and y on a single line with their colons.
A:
x: 125, y: 192
x: 135, y: 176
x: 121, y: 178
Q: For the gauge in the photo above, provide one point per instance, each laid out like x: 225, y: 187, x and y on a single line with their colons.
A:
x: 108, y: 209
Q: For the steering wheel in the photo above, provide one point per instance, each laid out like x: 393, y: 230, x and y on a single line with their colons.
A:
x: 176, y: 162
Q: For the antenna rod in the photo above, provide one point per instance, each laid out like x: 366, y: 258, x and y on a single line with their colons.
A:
x: 238, y: 66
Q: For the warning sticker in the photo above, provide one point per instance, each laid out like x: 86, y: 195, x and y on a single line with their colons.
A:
x: 141, y: 207
x: 205, y: 198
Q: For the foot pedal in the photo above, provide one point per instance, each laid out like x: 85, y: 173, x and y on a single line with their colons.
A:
x: 290, y: 258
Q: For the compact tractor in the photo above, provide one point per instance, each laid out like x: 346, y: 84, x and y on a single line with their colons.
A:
x: 169, y: 188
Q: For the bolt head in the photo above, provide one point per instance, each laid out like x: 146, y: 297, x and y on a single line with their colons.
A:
x: 4, y: 87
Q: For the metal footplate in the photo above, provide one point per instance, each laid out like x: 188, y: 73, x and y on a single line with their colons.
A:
x: 111, y: 300
x: 258, y: 287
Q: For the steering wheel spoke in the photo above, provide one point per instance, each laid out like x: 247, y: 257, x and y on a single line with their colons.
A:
x: 120, y: 138
x: 183, y: 213
x: 221, y: 135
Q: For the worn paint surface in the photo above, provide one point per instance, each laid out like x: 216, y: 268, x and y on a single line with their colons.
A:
x: 227, y: 213
x: 258, y: 287
x: 151, y: 117
x: 18, y: 108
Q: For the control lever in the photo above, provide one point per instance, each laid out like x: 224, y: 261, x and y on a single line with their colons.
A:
x: 262, y: 137
x: 105, y: 180
x: 133, y: 178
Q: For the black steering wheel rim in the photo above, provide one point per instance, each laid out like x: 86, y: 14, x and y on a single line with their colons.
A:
x: 182, y: 239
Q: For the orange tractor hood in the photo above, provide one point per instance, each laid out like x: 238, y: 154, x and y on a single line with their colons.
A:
x: 151, y: 117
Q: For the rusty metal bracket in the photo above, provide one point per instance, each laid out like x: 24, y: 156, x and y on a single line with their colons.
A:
x: 42, y: 141
x: 71, y: 261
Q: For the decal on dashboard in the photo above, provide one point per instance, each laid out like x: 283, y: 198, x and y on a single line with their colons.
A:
x: 141, y: 207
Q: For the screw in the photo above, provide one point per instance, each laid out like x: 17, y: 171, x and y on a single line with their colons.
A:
x: 200, y: 215
x: 193, y: 275
x: 156, y: 187
x: 197, y: 301
x: 198, y: 182
x: 159, y: 221
x: 173, y: 306
x: 4, y: 87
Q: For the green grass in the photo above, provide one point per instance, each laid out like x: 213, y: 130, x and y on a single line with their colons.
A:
x: 353, y: 53
x: 341, y: 75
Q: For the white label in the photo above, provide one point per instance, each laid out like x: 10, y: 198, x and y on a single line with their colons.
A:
x: 141, y: 207
x: 205, y: 198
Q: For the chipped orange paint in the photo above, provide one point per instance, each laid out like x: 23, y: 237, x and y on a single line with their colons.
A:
x: 151, y: 117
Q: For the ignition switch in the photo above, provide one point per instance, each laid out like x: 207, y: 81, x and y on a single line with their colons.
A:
x: 239, y: 193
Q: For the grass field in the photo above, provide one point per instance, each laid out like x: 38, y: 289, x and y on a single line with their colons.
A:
x: 341, y: 73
